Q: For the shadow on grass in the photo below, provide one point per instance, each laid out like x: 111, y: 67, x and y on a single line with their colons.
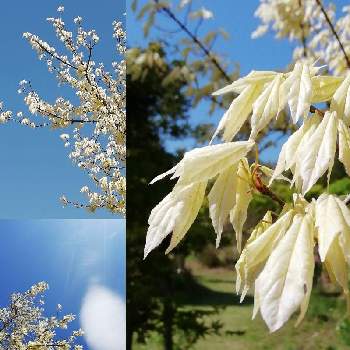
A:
x: 197, y: 294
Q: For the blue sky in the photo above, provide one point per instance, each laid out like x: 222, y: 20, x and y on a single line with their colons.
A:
x: 35, y: 169
x: 75, y: 257
x: 236, y: 18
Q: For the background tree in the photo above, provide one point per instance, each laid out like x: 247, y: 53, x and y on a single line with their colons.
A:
x: 155, y: 288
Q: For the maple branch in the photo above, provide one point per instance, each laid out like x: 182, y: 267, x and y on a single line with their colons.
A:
x: 314, y: 109
x: 195, y: 39
x: 262, y: 188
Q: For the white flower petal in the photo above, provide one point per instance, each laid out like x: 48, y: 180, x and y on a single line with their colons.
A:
x: 174, y: 214
x: 253, y: 78
x: 318, y: 154
x: 266, y: 106
x: 285, y: 283
x: 204, y: 163
x: 324, y: 87
x: 341, y: 100
x: 288, y: 155
x: 238, y: 214
x: 258, y: 249
x: 329, y: 221
x: 344, y: 145
x: 238, y: 112
x: 298, y: 89
x: 222, y: 198
x: 336, y: 265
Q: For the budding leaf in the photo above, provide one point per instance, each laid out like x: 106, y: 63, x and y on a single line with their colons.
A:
x: 285, y: 283
x: 174, y: 214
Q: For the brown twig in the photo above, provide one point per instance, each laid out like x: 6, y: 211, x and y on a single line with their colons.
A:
x: 302, y: 27
x: 262, y: 188
x: 331, y: 26
x: 314, y: 109
x: 55, y: 56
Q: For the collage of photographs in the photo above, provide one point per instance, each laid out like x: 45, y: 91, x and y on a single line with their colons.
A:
x: 175, y: 175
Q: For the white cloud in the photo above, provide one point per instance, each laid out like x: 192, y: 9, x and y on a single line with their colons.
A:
x: 102, y: 317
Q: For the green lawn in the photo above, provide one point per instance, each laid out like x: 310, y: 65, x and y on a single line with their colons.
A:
x: 216, y: 289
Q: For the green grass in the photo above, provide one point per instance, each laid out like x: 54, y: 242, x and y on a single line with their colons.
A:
x: 216, y: 289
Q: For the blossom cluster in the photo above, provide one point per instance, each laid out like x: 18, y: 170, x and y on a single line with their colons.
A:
x: 290, y: 18
x: 23, y: 325
x: 306, y: 22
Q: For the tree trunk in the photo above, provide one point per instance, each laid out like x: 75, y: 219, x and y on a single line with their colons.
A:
x: 168, y: 316
x: 129, y: 334
x: 180, y: 262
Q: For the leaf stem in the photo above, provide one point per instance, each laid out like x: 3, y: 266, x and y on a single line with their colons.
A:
x: 262, y: 188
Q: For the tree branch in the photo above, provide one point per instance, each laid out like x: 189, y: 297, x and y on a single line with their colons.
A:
x: 314, y: 109
x: 302, y: 27
x: 55, y: 56
x: 262, y: 188
x: 196, y: 40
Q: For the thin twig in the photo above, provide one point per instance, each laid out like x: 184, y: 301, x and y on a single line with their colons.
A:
x: 314, y: 109
x: 195, y: 39
x: 331, y: 26
x: 55, y: 55
x: 302, y: 27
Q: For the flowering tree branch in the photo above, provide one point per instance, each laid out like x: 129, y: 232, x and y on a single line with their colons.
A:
x: 98, y: 141
x: 24, y: 326
x: 331, y: 26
